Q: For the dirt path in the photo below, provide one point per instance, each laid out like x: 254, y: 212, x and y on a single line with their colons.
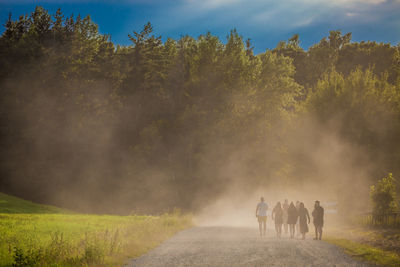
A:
x: 231, y: 246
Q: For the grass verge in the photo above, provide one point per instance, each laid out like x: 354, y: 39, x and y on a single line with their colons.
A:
x: 366, y: 252
x: 11, y: 204
x: 82, y: 240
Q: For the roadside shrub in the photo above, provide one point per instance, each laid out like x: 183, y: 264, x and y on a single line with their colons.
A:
x: 27, y: 258
x: 383, y: 196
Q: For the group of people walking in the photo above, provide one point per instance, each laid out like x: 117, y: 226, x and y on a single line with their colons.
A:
x: 294, y: 216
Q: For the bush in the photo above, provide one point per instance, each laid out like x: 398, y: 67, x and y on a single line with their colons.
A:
x: 383, y: 196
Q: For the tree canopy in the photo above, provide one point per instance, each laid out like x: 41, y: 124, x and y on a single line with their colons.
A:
x: 161, y: 124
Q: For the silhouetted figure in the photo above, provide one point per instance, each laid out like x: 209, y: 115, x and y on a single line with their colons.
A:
x: 261, y: 214
x: 318, y: 220
x: 277, y: 216
x: 285, y: 207
x: 304, y: 220
x: 297, y: 224
x: 292, y: 219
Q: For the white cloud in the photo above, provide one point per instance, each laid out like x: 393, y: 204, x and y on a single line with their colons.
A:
x: 344, y: 2
x: 264, y: 16
x: 277, y: 15
x: 211, y: 4
x: 303, y: 22
x: 221, y: 3
x: 214, y: 3
x: 352, y: 14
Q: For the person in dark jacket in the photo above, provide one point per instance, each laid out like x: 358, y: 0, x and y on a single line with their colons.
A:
x: 292, y: 219
x: 297, y: 224
x: 304, y: 220
x: 277, y: 216
x: 318, y: 220
x: 285, y: 207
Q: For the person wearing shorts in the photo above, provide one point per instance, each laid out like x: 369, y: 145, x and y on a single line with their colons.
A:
x: 261, y: 214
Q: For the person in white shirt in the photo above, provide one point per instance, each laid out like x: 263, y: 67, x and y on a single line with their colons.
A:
x: 261, y: 214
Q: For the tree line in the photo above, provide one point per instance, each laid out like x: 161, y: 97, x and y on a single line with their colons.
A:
x: 94, y: 126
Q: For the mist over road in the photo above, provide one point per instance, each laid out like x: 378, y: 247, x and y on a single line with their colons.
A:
x: 234, y: 246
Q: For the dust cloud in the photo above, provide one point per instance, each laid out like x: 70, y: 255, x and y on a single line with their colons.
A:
x: 156, y: 126
x: 87, y: 157
x: 319, y: 165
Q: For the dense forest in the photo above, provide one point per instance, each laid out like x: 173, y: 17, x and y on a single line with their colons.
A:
x: 97, y: 127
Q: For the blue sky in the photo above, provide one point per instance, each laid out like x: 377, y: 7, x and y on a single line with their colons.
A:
x: 265, y: 22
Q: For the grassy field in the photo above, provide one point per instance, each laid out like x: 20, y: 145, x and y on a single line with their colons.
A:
x: 378, y: 246
x: 58, y: 239
x: 366, y: 252
x: 10, y: 204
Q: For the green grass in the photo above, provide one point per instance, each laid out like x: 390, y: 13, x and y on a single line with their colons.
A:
x: 78, y: 240
x: 366, y: 252
x: 10, y: 204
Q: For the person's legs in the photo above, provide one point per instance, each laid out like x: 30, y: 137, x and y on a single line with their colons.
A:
x: 291, y: 229
x: 265, y: 226
x: 285, y: 226
x: 279, y: 230
x: 320, y: 232
x: 316, y: 232
x: 260, y: 226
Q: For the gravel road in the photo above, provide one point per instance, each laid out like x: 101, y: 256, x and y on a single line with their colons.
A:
x: 233, y: 246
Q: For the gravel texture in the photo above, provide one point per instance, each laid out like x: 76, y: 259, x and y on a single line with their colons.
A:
x: 233, y: 246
